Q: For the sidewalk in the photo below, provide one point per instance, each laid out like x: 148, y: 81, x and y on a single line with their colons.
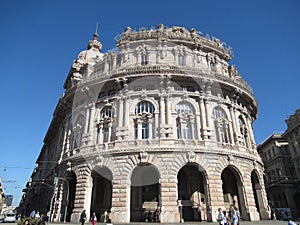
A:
x: 263, y: 222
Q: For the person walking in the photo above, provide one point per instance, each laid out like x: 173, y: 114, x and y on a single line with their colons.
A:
x: 83, y: 217
x: 233, y: 216
x: 225, y: 218
x: 220, y: 217
x: 94, y: 219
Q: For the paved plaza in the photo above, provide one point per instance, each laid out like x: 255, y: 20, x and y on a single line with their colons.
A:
x: 264, y: 222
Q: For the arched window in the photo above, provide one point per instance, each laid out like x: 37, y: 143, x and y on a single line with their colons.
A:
x: 221, y: 125
x: 104, y: 125
x: 244, y: 132
x: 185, y: 121
x: 144, y: 120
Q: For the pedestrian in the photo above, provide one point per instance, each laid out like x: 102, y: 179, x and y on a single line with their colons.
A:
x: 233, y: 216
x: 225, y: 218
x: 274, y: 214
x: 83, y: 217
x: 94, y: 219
x: 237, y: 215
x: 32, y: 214
x: 26, y: 222
x: 220, y: 217
x: 37, y: 215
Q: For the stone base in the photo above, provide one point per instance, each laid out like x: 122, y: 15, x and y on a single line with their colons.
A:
x: 264, y: 215
x: 254, y: 216
x: 170, y: 217
x: 75, y: 217
x: 119, y: 217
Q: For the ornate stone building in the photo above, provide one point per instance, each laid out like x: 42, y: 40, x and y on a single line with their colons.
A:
x: 162, y: 122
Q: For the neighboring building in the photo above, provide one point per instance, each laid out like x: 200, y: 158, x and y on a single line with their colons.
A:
x: 281, y: 156
x: 2, y: 196
x: 8, y: 200
x: 280, y: 177
x: 292, y: 134
x: 163, y: 123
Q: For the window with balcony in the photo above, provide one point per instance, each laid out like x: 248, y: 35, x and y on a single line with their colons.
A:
x: 144, y: 120
x: 144, y: 59
x: 244, y: 132
x: 185, y: 123
x: 104, y: 125
x: 222, y: 129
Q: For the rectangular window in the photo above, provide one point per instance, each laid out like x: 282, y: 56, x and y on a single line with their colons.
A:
x: 186, y: 131
x: 144, y: 59
x: 135, y: 131
x: 105, y: 134
x: 181, y: 60
x: 145, y: 131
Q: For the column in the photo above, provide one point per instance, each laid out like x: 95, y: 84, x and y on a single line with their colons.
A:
x: 91, y: 128
x: 162, y: 110
x: 120, y: 205
x: 100, y: 134
x: 230, y: 126
x: 156, y: 115
x: 168, y: 111
x: 202, y: 117
x: 198, y: 127
x: 208, y: 114
x: 150, y: 127
x: 83, y: 195
x: 192, y: 122
x: 126, y: 113
x: 139, y: 129
x: 87, y: 118
x: 233, y: 123
x: 250, y: 132
x: 169, y: 205
x: 120, y: 115
x: 66, y: 135
x: 109, y: 132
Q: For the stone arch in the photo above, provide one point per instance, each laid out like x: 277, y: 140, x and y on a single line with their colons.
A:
x: 233, y: 190
x: 101, y: 195
x: 193, y: 193
x: 189, y: 101
x: 144, y: 192
x: 135, y: 102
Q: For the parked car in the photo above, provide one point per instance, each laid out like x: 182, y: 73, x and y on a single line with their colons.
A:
x: 10, y: 218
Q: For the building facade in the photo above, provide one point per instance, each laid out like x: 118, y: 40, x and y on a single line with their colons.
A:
x: 292, y: 134
x: 281, y: 157
x: 160, y: 125
x: 280, y: 177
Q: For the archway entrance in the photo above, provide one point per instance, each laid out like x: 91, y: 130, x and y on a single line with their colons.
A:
x: 192, y: 193
x: 145, y: 193
x: 233, y: 191
x: 71, y: 184
x: 101, y: 193
x: 256, y: 188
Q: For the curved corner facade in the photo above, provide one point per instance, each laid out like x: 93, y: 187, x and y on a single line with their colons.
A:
x: 159, y: 128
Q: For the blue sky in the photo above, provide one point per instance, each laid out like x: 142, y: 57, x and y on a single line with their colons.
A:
x: 40, y: 39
